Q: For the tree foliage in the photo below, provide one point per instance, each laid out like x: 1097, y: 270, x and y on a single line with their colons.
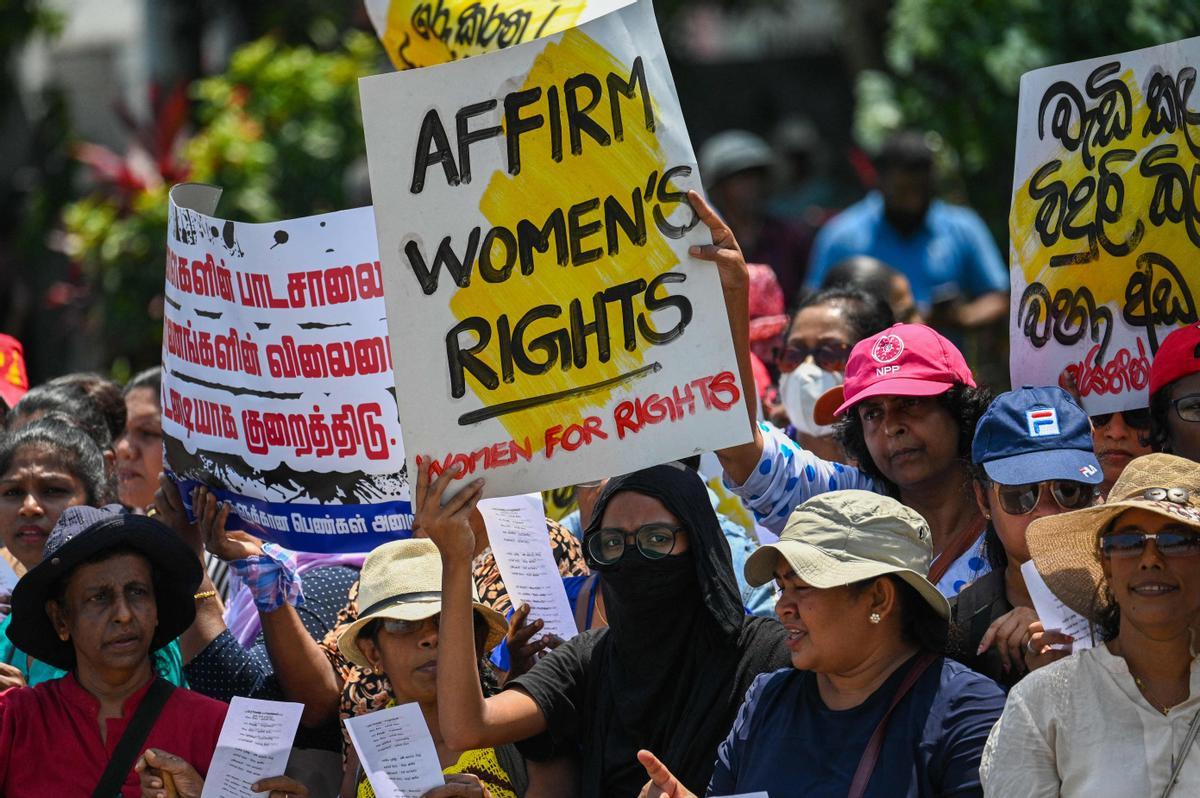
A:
x: 955, y: 68
x: 279, y: 131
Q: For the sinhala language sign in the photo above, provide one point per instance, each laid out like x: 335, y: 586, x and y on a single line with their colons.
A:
x: 277, y: 386
x: 548, y: 326
x: 1105, y: 226
x: 418, y: 33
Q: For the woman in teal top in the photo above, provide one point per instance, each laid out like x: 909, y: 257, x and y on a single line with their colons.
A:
x: 46, y: 467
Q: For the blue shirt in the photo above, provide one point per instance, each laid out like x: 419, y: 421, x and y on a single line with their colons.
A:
x: 786, y: 742
x: 951, y: 254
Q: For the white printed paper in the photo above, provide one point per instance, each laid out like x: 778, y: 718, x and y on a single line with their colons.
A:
x: 1054, y: 615
x: 520, y: 541
x: 254, y: 744
x: 396, y: 751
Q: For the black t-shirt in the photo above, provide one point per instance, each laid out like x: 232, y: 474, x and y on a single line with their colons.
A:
x: 569, y: 689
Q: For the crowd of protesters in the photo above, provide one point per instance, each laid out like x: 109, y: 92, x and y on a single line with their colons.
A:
x: 882, y: 640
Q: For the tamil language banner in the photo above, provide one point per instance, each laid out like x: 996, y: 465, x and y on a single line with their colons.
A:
x: 418, y: 33
x: 1104, y: 225
x: 548, y: 326
x: 277, y: 384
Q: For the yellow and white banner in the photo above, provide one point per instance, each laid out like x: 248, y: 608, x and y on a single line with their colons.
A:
x: 418, y: 33
x: 547, y: 324
x: 1105, y: 222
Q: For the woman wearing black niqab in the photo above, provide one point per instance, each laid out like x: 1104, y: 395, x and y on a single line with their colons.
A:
x: 669, y: 672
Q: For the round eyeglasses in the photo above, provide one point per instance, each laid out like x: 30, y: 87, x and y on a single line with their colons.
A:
x: 654, y: 541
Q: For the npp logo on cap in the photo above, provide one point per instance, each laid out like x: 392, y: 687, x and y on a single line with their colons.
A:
x: 1043, y: 423
x: 888, y: 347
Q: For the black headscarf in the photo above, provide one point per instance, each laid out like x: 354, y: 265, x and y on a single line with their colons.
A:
x: 680, y: 651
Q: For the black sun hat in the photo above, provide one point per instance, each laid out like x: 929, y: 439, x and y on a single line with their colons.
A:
x: 81, y: 533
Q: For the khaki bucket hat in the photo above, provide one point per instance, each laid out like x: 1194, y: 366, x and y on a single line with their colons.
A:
x: 848, y: 536
x: 402, y: 581
x: 1066, y: 547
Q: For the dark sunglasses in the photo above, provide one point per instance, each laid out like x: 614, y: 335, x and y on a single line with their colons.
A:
x: 831, y: 357
x: 654, y: 541
x: 1021, y: 499
x: 1138, y: 419
x: 1131, y: 544
x: 1187, y: 407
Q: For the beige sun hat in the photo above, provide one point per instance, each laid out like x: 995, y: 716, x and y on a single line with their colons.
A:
x: 402, y: 580
x: 1066, y: 547
x: 847, y: 536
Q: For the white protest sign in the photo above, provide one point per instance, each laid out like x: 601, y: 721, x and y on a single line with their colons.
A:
x: 277, y: 375
x: 520, y: 541
x: 254, y: 744
x: 396, y: 751
x: 418, y: 33
x: 533, y: 226
x: 1054, y: 615
x: 1105, y: 223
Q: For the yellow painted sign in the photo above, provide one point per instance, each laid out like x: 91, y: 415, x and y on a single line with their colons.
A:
x: 548, y: 325
x: 1105, y: 221
x: 418, y: 33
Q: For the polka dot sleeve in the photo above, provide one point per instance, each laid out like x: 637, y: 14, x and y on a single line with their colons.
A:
x: 787, y: 476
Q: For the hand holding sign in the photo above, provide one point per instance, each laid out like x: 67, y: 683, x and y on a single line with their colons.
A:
x: 447, y: 525
x: 723, y: 251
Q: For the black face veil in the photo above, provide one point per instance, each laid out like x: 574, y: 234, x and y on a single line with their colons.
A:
x: 672, y: 659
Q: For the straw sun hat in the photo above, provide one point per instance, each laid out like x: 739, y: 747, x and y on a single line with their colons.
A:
x: 402, y: 580
x: 1066, y: 549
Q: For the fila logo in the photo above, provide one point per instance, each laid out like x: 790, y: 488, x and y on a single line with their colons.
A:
x: 1042, y: 423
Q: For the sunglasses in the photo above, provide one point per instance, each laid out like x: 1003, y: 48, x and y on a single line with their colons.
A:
x: 401, y: 627
x: 654, y: 541
x: 1187, y: 407
x: 1138, y: 419
x: 830, y: 357
x: 1022, y: 499
x: 1131, y: 544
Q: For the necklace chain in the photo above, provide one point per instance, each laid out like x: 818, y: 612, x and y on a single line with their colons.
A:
x: 1163, y: 708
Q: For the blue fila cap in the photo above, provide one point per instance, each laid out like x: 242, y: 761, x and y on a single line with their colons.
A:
x: 1033, y: 435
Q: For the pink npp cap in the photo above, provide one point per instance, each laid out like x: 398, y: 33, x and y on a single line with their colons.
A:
x: 903, y: 360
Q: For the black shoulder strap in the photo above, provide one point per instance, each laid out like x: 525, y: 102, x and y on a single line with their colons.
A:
x: 130, y: 744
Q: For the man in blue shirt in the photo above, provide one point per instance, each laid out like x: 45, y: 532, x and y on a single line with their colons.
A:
x: 945, y: 251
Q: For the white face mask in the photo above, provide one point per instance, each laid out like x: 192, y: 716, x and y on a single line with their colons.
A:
x: 799, y: 391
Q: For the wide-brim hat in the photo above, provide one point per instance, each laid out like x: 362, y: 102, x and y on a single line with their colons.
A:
x: 402, y: 581
x: 1065, y: 547
x: 846, y: 536
x: 80, y: 534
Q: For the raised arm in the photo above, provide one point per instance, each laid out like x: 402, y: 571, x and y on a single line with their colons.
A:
x: 304, y: 672
x: 738, y: 461
x: 468, y: 720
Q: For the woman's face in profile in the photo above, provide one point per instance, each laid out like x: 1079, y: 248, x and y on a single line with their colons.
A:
x: 1158, y: 593
x: 825, y: 627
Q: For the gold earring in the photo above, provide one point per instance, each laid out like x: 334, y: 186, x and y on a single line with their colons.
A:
x: 875, y: 617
